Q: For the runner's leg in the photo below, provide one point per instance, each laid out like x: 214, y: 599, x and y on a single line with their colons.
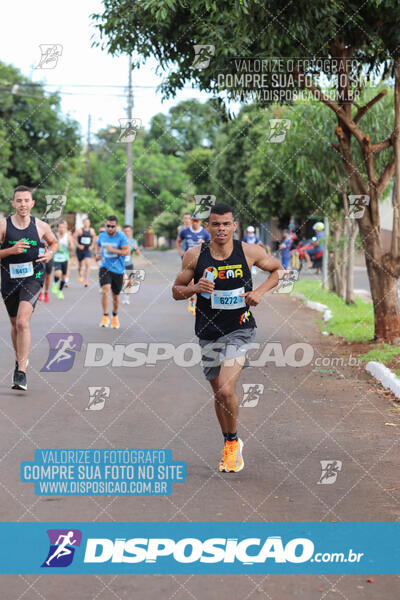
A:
x: 14, y: 334
x: 23, y: 337
x: 226, y: 400
x: 86, y: 266
x: 105, y: 291
x: 115, y: 298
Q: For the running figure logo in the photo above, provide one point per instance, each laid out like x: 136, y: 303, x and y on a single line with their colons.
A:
x: 54, y: 206
x: 62, y: 547
x: 203, y: 54
x: 330, y: 470
x: 97, y: 397
x: 251, y: 394
x: 128, y: 130
x: 278, y: 130
x: 287, y: 279
x: 203, y: 206
x: 62, y: 351
x: 357, y: 204
x: 50, y: 53
x: 132, y: 281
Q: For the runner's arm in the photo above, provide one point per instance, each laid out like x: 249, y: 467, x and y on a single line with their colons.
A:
x: 123, y: 251
x: 183, y: 288
x: 51, y: 241
x: 76, y: 234
x: 179, y: 245
x: 98, y: 248
x: 94, y: 240
x: 13, y: 249
x: 265, y: 263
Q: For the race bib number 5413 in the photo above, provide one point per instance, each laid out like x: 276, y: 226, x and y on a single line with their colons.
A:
x: 21, y: 270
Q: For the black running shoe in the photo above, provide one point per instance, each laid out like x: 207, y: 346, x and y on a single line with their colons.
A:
x: 16, y: 369
x: 15, y: 372
x: 19, y: 382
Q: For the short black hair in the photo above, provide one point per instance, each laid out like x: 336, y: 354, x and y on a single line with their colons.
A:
x: 112, y: 218
x: 127, y: 225
x: 22, y: 188
x: 221, y: 208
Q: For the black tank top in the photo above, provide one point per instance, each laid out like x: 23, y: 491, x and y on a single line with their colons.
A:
x: 15, y: 267
x: 87, y: 238
x: 229, y: 274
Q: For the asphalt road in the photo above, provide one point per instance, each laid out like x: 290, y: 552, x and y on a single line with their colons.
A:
x: 304, y: 415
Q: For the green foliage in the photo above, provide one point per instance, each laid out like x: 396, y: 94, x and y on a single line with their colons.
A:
x: 384, y: 353
x: 168, y: 30
x: 37, y: 143
x: 166, y: 224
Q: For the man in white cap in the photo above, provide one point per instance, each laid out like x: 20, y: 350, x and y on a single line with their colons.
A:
x: 250, y: 237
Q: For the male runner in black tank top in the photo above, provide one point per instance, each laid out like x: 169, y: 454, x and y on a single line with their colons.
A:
x: 85, y: 239
x: 224, y: 321
x: 22, y: 273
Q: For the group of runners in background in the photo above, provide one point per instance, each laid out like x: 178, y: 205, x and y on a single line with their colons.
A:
x: 30, y: 251
x: 87, y: 244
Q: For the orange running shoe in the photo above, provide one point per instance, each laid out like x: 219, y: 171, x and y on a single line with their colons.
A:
x: 234, y: 460
x: 40, y: 297
x: 115, y: 322
x: 105, y: 322
x: 224, y: 453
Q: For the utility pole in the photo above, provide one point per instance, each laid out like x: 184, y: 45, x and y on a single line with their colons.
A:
x: 129, y: 202
x: 88, y: 152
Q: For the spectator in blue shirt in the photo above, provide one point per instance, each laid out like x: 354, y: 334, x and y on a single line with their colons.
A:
x: 285, y: 248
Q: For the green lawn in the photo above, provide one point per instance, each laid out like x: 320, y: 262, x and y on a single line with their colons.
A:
x: 355, y: 322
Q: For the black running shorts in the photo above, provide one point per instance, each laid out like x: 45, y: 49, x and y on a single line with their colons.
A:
x: 29, y: 292
x: 108, y: 277
x: 61, y: 266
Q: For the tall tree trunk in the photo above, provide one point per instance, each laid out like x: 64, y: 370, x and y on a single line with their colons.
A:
x: 352, y: 234
x: 383, y: 284
x: 383, y: 269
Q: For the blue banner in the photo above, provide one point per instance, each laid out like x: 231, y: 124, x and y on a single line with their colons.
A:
x: 219, y: 548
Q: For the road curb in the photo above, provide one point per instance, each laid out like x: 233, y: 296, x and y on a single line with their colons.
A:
x: 315, y: 306
x: 385, y: 376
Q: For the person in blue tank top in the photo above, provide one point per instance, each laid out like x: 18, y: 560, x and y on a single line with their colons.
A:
x: 27, y: 244
x: 219, y: 272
